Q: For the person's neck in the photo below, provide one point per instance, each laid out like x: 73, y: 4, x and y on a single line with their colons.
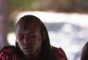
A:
x: 33, y: 57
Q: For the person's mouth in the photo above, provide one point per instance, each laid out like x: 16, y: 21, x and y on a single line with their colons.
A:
x: 28, y: 47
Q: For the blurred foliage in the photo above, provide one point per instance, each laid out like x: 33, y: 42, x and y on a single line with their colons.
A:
x: 12, y: 26
x: 20, y: 5
x: 62, y: 5
x: 55, y: 5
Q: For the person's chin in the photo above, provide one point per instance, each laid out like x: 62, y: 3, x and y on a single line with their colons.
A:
x: 28, y: 52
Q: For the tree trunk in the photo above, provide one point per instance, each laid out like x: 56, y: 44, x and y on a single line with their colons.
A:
x: 3, y: 23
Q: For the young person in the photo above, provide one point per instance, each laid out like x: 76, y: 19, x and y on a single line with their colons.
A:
x: 32, y: 42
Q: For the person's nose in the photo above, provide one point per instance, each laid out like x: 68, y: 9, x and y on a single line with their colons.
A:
x: 26, y: 40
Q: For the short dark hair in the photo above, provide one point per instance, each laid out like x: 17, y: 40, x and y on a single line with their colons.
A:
x: 46, y: 52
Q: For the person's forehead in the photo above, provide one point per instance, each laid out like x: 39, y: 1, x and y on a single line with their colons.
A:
x: 28, y: 27
x: 37, y: 24
x: 27, y: 32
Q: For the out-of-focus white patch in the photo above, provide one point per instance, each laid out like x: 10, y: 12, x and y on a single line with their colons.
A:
x: 11, y: 38
x: 53, y: 17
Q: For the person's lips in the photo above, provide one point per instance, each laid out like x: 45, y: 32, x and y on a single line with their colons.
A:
x: 27, y: 49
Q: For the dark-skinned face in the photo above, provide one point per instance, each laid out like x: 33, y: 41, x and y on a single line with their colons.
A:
x: 29, y: 39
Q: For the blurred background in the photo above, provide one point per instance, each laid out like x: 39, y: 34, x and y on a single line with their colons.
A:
x: 66, y: 21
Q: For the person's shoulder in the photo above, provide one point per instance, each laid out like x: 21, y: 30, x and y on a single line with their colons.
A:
x: 8, y: 50
x: 59, y: 53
